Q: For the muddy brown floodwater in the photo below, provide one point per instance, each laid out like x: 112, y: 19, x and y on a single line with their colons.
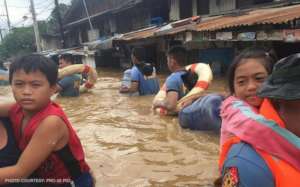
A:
x: 126, y: 145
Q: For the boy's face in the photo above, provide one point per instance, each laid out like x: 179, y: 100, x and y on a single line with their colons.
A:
x: 32, y: 91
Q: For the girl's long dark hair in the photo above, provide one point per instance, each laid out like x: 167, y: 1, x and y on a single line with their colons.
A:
x: 267, y: 60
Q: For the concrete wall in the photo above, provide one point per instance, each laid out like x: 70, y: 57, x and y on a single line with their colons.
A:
x: 174, y: 10
x: 220, y: 6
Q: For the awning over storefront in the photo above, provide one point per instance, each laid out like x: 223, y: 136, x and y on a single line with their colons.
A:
x: 255, y: 17
x: 80, y: 51
x: 103, y: 44
x: 279, y: 15
x: 187, y: 24
x: 139, y: 34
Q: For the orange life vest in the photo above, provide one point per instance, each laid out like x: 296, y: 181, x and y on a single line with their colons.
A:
x: 284, y: 174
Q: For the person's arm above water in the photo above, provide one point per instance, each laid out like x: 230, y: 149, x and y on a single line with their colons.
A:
x: 135, y: 80
x: 170, y: 102
x: 133, y: 88
x: 50, y: 136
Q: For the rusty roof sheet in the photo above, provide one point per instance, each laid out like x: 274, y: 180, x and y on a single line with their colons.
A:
x: 139, y: 34
x: 188, y: 27
x: 255, y: 17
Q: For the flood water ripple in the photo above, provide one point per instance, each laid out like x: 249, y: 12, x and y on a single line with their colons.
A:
x: 127, y: 145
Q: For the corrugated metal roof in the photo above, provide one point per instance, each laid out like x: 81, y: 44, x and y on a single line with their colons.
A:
x: 188, y: 27
x: 139, y: 34
x: 255, y: 17
x: 187, y: 24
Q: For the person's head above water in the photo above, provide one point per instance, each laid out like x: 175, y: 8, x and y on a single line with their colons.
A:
x: 33, y: 63
x: 247, y: 72
x: 138, y: 55
x: 65, y: 60
x: 177, y: 58
x: 33, y: 81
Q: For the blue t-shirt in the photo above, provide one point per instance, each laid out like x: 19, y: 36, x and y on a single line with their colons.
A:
x: 70, y: 85
x: 174, y: 83
x: 146, y: 86
x: 250, y: 169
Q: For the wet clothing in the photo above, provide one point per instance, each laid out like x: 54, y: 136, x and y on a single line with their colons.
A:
x: 175, y: 83
x: 66, y: 164
x: 203, y: 114
x: 266, y: 136
x: 146, y: 86
x: 70, y: 85
x: 126, y: 80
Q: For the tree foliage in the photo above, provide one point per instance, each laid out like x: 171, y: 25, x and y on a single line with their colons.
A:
x: 21, y: 40
x: 18, y: 42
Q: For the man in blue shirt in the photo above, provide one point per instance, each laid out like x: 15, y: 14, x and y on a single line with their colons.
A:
x: 140, y: 81
x: 177, y: 60
x: 69, y: 85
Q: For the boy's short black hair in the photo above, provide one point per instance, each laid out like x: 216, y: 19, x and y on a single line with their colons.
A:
x: 67, y: 57
x: 179, y: 53
x: 34, y: 62
x: 139, y: 53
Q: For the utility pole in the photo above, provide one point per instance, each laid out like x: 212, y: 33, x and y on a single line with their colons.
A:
x: 1, y: 35
x: 8, y: 21
x: 88, y: 15
x: 35, y: 27
x: 61, y: 30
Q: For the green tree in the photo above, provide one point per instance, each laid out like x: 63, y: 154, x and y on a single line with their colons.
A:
x: 18, y: 42
x: 21, y: 40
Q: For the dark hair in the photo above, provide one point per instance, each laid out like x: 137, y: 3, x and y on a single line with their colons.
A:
x: 35, y: 62
x: 139, y: 53
x: 67, y: 57
x: 179, y: 53
x: 267, y: 58
x: 189, y: 79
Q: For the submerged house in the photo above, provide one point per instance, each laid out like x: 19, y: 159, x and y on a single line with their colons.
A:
x: 213, y: 31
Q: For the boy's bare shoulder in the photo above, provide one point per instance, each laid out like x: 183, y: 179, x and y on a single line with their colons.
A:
x: 53, y: 122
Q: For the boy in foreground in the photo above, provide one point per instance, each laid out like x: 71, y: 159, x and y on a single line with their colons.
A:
x: 50, y: 147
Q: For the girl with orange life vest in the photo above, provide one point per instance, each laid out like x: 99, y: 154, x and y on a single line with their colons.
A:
x: 246, y: 74
x: 269, y: 143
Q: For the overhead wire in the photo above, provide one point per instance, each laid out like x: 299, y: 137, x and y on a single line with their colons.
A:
x: 42, y: 8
